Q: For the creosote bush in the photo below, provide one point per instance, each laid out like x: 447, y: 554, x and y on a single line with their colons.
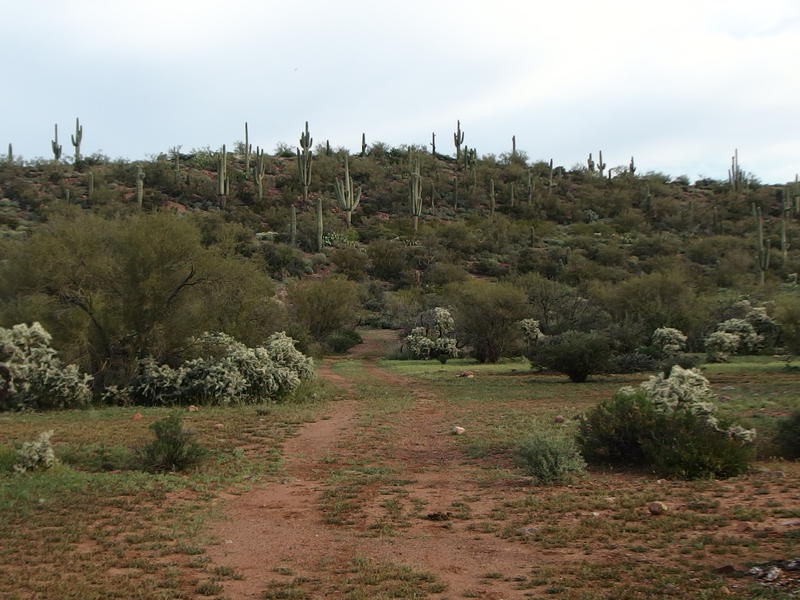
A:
x: 577, y: 354
x: 174, y: 448
x: 788, y: 436
x: 550, y: 457
x: 667, y: 425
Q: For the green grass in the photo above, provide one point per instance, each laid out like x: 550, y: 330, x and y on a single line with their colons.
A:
x: 93, y: 527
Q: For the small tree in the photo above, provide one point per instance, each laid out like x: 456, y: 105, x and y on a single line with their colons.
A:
x: 577, y: 354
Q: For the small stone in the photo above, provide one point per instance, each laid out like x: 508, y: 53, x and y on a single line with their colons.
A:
x: 192, y: 408
x: 136, y: 417
x: 457, y: 430
x: 755, y: 571
x: 558, y: 419
x: 596, y: 515
x: 219, y: 426
x: 657, y: 508
x: 772, y: 574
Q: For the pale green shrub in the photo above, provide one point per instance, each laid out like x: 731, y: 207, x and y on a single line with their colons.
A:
x: 37, y: 455
x: 550, y: 457
x: 720, y: 345
x: 38, y: 378
x: 668, y: 341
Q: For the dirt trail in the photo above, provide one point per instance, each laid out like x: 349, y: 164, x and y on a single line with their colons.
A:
x: 280, y: 527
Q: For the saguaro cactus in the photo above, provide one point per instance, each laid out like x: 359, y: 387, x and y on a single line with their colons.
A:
x: 363, y: 144
x: 223, y: 181
x: 259, y: 168
x: 346, y: 195
x: 601, y: 166
x: 492, y: 199
x: 735, y: 174
x: 55, y: 145
x: 632, y: 167
x: 786, y: 209
x: 247, y: 149
x: 458, y: 139
x: 762, y: 249
x: 415, y: 194
x: 512, y: 198
x: 531, y: 187
x: 590, y: 163
x: 76, y: 139
x: 513, y: 146
x: 433, y: 143
x: 139, y: 186
x: 550, y: 179
x: 10, y: 154
x: 304, y: 158
x: 90, y: 185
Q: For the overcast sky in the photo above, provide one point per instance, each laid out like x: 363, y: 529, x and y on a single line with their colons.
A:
x: 677, y: 84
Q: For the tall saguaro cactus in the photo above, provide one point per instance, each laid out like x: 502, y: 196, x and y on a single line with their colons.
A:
x: 10, y: 154
x: 76, y: 139
x: 55, y: 145
x: 601, y: 166
x: 304, y: 157
x: 786, y: 209
x: 139, y: 187
x: 346, y: 195
x: 458, y: 139
x: 415, y: 193
x: 363, y: 145
x: 433, y: 143
x: 513, y: 146
x: 247, y: 149
x: 223, y: 181
x: 762, y: 249
x: 735, y: 174
x: 632, y: 167
x: 590, y: 163
x: 259, y: 169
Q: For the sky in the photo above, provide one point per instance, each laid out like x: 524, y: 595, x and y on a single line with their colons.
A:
x: 678, y: 85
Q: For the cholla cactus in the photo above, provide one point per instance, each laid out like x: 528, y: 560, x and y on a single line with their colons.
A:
x: 749, y: 340
x: 433, y: 340
x: 688, y: 390
x: 38, y: 378
x: 530, y: 331
x: 720, y: 345
x: 36, y: 455
x: 226, y: 372
x: 668, y: 340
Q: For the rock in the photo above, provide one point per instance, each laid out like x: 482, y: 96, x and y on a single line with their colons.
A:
x: 755, y: 571
x: 793, y: 565
x: 192, y: 408
x: 558, y: 419
x: 657, y: 508
x: 596, y: 515
x: 136, y: 417
x: 469, y: 374
x: 610, y: 499
x: 772, y: 574
x: 219, y: 426
x: 726, y: 570
x: 439, y: 516
x: 457, y: 430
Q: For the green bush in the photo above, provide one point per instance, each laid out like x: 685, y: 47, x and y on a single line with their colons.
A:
x: 174, y: 448
x: 341, y: 341
x: 630, y: 430
x: 577, y: 354
x: 550, y: 457
x: 788, y: 436
x: 611, y: 432
x: 682, y: 445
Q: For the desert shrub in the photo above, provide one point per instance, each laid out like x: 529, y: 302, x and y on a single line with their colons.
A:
x: 37, y: 455
x: 577, y: 354
x: 667, y: 425
x: 36, y: 378
x: 749, y: 340
x: 324, y: 306
x: 682, y: 445
x: 433, y: 339
x: 720, y: 345
x: 341, y: 341
x: 350, y: 262
x: 668, y: 341
x: 550, y: 457
x: 487, y: 316
x: 788, y: 436
x: 633, y: 362
x: 787, y: 314
x: 173, y: 449
x: 224, y: 371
